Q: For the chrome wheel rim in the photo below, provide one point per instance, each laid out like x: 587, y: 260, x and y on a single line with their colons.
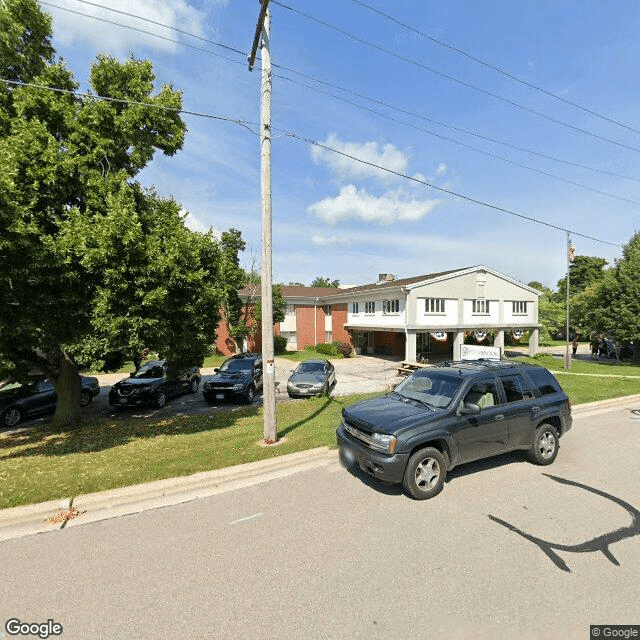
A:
x: 547, y: 444
x: 84, y: 398
x: 427, y: 473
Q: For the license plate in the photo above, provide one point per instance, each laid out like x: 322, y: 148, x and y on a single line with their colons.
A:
x: 219, y: 396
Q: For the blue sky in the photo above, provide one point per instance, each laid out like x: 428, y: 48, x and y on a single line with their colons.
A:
x: 338, y: 218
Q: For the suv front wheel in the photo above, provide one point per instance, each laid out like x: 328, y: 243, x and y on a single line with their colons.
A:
x: 545, y: 445
x: 425, y: 474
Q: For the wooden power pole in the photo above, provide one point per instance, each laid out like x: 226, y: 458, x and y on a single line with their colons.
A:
x: 268, y: 360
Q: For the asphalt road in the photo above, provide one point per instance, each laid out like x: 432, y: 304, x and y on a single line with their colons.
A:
x: 507, y: 550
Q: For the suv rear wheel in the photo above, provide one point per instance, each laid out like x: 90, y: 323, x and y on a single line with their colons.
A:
x: 545, y: 445
x: 425, y: 474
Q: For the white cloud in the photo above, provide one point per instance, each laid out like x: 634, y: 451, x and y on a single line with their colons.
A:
x: 442, y: 169
x: 193, y: 222
x: 358, y: 204
x: 70, y: 27
x: 344, y: 167
x: 321, y: 240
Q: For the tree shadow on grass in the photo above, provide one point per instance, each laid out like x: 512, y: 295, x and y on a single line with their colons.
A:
x: 106, y: 433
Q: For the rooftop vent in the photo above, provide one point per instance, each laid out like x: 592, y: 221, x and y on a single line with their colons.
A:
x: 385, y: 277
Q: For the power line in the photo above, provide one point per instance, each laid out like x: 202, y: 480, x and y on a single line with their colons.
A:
x: 493, y: 67
x: 160, y: 24
x: 468, y: 146
x: 440, y: 124
x: 149, y: 33
x: 312, y: 142
x: 454, y: 79
x: 374, y: 100
x: 449, y: 192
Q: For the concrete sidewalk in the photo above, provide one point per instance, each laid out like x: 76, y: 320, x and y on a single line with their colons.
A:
x: 70, y: 512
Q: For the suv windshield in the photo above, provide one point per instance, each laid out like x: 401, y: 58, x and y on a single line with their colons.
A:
x: 431, y: 388
x: 237, y: 365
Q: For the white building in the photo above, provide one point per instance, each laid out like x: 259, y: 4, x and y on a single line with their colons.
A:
x: 431, y: 313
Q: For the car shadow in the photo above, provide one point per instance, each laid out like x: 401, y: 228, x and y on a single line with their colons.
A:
x: 502, y: 460
x: 374, y: 483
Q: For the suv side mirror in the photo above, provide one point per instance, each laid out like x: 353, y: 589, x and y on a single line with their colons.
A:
x: 469, y: 409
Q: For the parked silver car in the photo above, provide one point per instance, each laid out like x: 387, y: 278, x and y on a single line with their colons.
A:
x: 311, y: 378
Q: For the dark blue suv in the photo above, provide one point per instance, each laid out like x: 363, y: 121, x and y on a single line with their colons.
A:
x: 454, y: 413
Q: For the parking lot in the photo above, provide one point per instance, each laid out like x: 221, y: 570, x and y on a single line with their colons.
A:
x: 362, y: 374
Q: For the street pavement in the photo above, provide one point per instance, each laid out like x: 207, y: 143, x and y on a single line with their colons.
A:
x: 507, y: 550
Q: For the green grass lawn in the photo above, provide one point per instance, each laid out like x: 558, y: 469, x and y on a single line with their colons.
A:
x: 45, y: 464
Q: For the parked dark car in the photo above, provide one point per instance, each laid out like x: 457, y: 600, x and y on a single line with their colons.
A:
x: 454, y: 413
x: 238, y: 378
x: 22, y: 400
x: 311, y: 378
x: 155, y: 382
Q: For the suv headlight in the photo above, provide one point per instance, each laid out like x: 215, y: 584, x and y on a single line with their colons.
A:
x: 384, y: 442
x: 238, y: 387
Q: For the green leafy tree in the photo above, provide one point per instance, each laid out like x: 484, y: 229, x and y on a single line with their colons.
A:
x: 551, y: 314
x: 319, y: 281
x: 585, y: 271
x: 279, y: 307
x: 92, y: 265
x: 612, y: 305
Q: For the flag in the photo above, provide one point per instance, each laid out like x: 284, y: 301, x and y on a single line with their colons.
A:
x: 572, y: 252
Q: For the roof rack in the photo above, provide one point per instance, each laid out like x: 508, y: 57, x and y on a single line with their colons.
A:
x: 482, y: 362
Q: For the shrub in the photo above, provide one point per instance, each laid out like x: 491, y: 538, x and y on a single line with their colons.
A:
x: 343, y: 348
x: 327, y: 349
x: 279, y: 344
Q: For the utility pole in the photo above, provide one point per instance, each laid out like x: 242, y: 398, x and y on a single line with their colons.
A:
x: 567, y: 357
x: 268, y: 361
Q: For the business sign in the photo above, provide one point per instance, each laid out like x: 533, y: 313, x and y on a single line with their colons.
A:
x: 479, y: 352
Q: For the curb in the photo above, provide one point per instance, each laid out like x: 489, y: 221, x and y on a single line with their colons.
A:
x: 27, y: 520
x: 64, y: 513
x: 602, y: 406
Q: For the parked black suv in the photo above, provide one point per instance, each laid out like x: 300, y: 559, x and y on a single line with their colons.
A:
x: 238, y: 378
x: 453, y: 413
x: 153, y: 384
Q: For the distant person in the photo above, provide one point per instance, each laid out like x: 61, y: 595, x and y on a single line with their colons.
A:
x: 574, y: 344
x: 602, y: 347
x: 594, y: 348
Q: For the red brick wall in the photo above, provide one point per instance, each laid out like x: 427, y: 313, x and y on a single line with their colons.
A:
x: 391, y: 339
x: 226, y: 346
x: 339, y: 319
x: 305, y: 325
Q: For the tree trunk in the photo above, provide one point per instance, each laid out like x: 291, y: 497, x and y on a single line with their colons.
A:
x: 67, y: 384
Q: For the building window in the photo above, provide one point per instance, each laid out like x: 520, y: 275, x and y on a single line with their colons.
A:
x: 434, y: 305
x: 519, y: 307
x: 354, y: 307
x: 370, y: 307
x: 327, y: 309
x: 291, y: 310
x: 390, y: 306
x: 290, y: 336
x: 480, y: 306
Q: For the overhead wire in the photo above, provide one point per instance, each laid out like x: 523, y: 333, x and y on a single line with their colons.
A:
x: 493, y: 67
x: 468, y: 146
x: 374, y: 100
x: 453, y: 78
x: 326, y: 147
